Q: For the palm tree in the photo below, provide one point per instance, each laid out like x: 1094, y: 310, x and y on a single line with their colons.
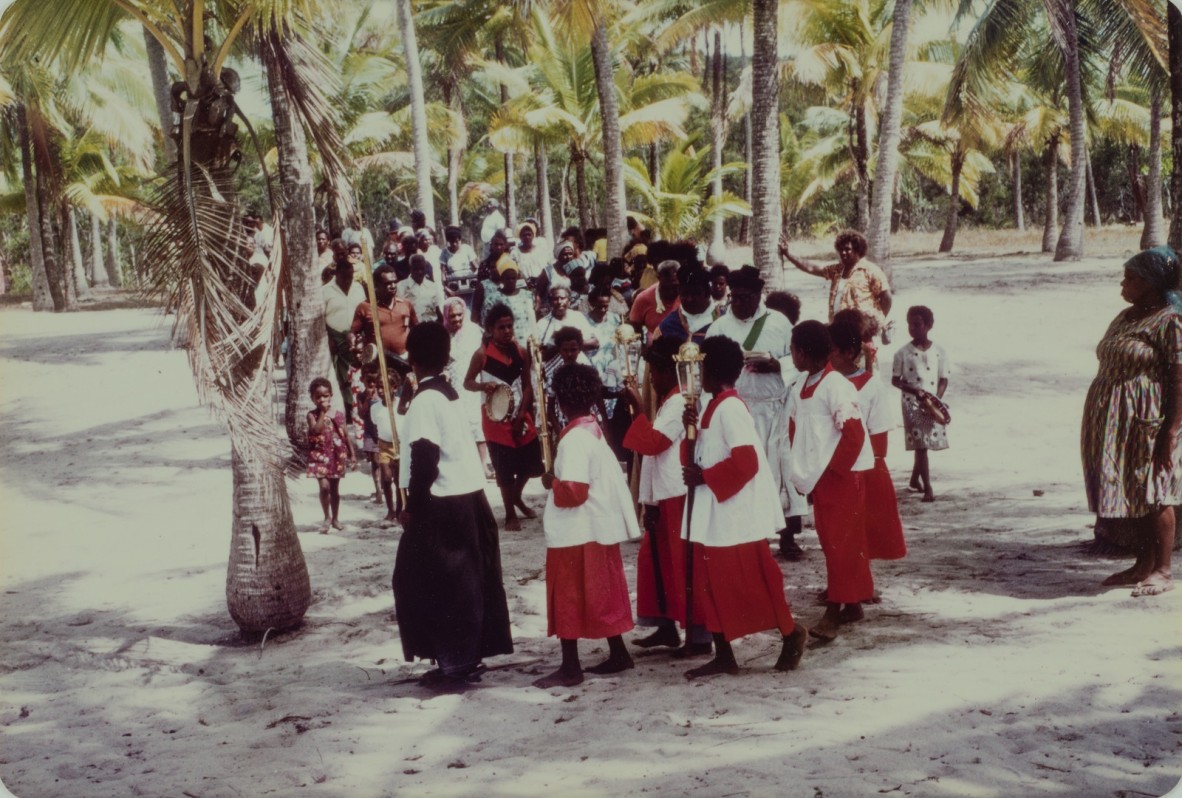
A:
x: 1174, y: 27
x: 194, y: 246
x: 765, y: 156
x: 414, y: 73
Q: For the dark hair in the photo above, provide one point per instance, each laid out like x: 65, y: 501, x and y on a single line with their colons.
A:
x: 867, y: 325
x: 693, y: 277
x: 354, y: 245
x: 724, y: 359
x: 846, y: 336
x: 684, y: 252
x: 574, y: 235
x: 719, y: 270
x: 321, y: 231
x: 409, y: 240
x: 812, y: 339
x: 924, y: 313
x: 319, y: 382
x: 339, y: 248
x: 327, y: 273
x: 853, y: 237
x: 577, y: 386
x: 784, y: 302
x: 452, y: 233
x: 660, y: 353
x: 499, y: 233
x: 599, y: 291
x: 420, y: 260
x: 564, y: 334
x: 418, y: 218
x: 495, y: 314
x: 429, y: 346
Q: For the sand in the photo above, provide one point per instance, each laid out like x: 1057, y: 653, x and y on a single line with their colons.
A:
x: 995, y: 666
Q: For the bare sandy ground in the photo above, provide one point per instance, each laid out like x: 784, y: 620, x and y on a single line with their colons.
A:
x: 995, y: 666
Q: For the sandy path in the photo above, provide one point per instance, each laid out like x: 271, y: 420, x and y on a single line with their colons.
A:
x: 996, y: 666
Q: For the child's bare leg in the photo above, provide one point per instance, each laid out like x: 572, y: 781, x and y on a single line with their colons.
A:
x: 485, y: 460
x: 723, y: 662
x: 334, y: 487
x: 914, y: 484
x: 921, y: 462
x: 375, y: 470
x: 618, y: 658
x: 570, y: 673
x: 793, y: 649
x: 325, y: 503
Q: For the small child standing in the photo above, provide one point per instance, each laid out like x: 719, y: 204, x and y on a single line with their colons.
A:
x: 387, y: 456
x: 369, y: 435
x: 330, y: 451
x: 921, y: 369
x: 828, y: 461
x: 884, y: 529
x: 588, y: 514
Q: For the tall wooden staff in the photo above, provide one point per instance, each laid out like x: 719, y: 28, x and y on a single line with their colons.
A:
x: 539, y: 379
x: 377, y: 334
x: 688, y: 362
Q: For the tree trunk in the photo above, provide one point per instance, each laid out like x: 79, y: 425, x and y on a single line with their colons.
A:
x: 582, y: 197
x: 336, y: 211
x: 1093, y: 200
x: 953, y: 219
x: 96, y: 272
x: 654, y: 165
x: 890, y: 128
x: 455, y: 156
x: 1019, y: 213
x: 161, y: 85
x: 862, y: 165
x: 1133, y: 167
x: 77, y: 259
x: 717, y: 250
x: 1051, y: 221
x: 614, y: 204
x: 112, y: 259
x: 745, y: 221
x: 1174, y: 31
x: 1153, y: 234
x: 1070, y: 246
x: 307, y: 349
x: 542, y: 167
x: 564, y: 194
x: 765, y: 144
x: 510, y: 189
x: 267, y: 585
x: 425, y: 196
x: 43, y: 299
x: 53, y: 268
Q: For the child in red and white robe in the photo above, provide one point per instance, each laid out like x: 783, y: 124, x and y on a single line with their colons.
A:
x: 733, y: 510
x: 884, y: 528
x: 829, y: 460
x: 660, y: 565
x: 588, y: 514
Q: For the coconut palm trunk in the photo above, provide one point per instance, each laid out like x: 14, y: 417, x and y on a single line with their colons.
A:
x: 307, y: 348
x: 1016, y: 170
x: 613, y: 152
x: 95, y: 271
x: 542, y: 170
x: 861, y: 148
x: 42, y: 297
x: 952, y: 221
x: 1070, y: 245
x: 878, y: 232
x: 717, y: 249
x: 582, y: 197
x: 111, y: 261
x: 78, y: 279
x: 765, y: 143
x: 49, y: 251
x: 1174, y: 33
x: 1154, y: 234
x: 1093, y: 200
x: 425, y: 196
x: 510, y: 182
x: 1051, y: 219
x: 158, y: 69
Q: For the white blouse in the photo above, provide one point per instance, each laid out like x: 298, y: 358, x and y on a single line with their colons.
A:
x: 818, y: 421
x: 607, y: 516
x: 660, y: 475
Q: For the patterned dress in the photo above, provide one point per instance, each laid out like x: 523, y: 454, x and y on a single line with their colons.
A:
x: 1123, y: 415
x: 329, y: 454
x: 924, y: 370
x: 521, y: 303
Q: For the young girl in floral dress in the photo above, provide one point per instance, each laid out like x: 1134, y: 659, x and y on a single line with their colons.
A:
x: 330, y: 451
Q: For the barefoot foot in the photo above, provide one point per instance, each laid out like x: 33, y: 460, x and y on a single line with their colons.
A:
x: 664, y: 636
x: 825, y: 629
x: 713, y: 668
x: 928, y: 497
x: 512, y: 525
x: 560, y: 678
x: 337, y: 525
x: 851, y: 613
x: 613, y: 664
x: 1129, y: 576
x: 793, y: 650
x: 1154, y: 585
x: 325, y: 527
x: 527, y: 511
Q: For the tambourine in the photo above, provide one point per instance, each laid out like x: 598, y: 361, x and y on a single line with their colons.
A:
x: 936, y: 409
x: 500, y: 404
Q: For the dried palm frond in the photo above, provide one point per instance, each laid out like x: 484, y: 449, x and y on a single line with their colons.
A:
x: 226, y: 315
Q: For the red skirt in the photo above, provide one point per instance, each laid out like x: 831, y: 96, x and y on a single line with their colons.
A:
x: 743, y: 589
x: 587, y: 592
x: 884, y: 529
x: 839, y: 515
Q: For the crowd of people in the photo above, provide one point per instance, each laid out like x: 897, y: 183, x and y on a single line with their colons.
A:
x: 538, y: 359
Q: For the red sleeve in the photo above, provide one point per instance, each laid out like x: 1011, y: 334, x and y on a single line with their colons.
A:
x: 643, y: 439
x: 878, y: 442
x: 569, y: 494
x: 853, y: 435
x: 727, y: 477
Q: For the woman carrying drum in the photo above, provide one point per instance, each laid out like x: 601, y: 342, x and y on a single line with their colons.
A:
x: 501, y: 372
